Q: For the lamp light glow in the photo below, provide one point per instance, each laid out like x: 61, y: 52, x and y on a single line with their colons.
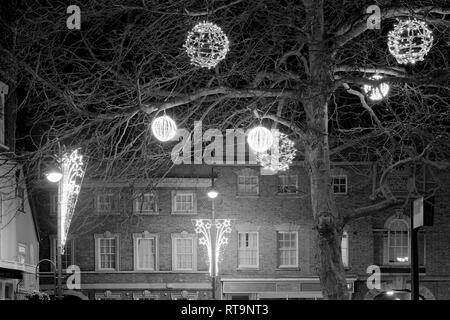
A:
x: 212, y: 193
x: 54, y: 176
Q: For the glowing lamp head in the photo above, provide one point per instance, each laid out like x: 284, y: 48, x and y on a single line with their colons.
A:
x: 54, y: 175
x: 164, y: 128
x: 260, y: 139
x: 377, y: 92
x: 212, y: 193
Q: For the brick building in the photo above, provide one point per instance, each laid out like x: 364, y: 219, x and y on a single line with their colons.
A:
x: 135, y: 242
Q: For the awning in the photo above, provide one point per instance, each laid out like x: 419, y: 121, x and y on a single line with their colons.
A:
x: 11, y: 273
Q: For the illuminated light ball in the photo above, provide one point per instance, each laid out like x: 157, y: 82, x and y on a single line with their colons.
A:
x: 378, y: 92
x: 280, y: 156
x: 410, y: 41
x: 206, y: 45
x: 260, y: 139
x: 164, y: 128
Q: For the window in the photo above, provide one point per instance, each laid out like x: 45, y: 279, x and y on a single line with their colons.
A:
x: 145, y: 247
x: 287, y: 249
x: 248, y: 185
x: 145, y: 203
x: 287, y: 184
x: 21, y: 253
x: 184, y: 253
x: 339, y: 184
x: 183, y: 202
x: 53, y: 204
x: 344, y: 248
x: 67, y: 256
x: 105, y: 202
x: 107, y: 252
x: 21, y: 199
x: 248, y: 250
x: 398, y: 242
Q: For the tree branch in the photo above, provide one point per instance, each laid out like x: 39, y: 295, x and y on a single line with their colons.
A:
x: 351, y: 30
x: 205, y: 13
x: 393, y: 71
x: 227, y: 92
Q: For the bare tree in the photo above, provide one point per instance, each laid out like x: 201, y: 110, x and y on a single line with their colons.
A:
x: 299, y: 64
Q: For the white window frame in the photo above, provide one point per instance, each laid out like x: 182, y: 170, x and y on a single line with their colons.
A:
x: 400, y: 263
x: 53, y: 247
x: 184, y: 193
x: 284, y: 185
x: 242, y: 266
x: 97, y: 238
x: 245, y: 193
x: 193, y: 238
x: 137, y: 204
x: 345, y: 249
x: 296, y: 250
x: 145, y: 235
x: 339, y: 176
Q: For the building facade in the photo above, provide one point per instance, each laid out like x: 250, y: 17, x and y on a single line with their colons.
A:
x: 140, y: 242
x: 19, y: 236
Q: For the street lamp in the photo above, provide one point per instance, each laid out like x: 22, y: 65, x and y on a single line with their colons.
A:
x: 69, y: 176
x: 55, y: 176
x: 212, y: 233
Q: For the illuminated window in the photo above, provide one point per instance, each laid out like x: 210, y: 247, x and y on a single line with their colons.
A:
x: 248, y: 185
x: 287, y: 249
x: 339, y: 184
x: 248, y: 250
x: 398, y: 242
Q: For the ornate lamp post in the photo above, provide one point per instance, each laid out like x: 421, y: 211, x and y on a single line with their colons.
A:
x: 213, y: 233
x: 69, y: 175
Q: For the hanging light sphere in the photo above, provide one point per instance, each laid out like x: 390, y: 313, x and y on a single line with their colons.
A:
x: 280, y: 156
x: 164, y: 128
x: 260, y: 139
x: 206, y: 45
x: 410, y: 41
x: 378, y: 92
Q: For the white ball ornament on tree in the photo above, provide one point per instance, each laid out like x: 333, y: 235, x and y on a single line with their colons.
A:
x: 260, y: 139
x: 164, y: 128
x: 376, y: 92
x: 410, y: 41
x: 206, y: 45
x: 281, y: 154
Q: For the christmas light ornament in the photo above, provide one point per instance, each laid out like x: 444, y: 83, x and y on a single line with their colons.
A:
x: 280, y: 156
x: 164, y: 128
x: 260, y: 139
x: 410, y: 41
x: 377, y: 92
x: 206, y: 45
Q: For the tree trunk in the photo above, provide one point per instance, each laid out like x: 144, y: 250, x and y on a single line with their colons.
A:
x: 317, y: 157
